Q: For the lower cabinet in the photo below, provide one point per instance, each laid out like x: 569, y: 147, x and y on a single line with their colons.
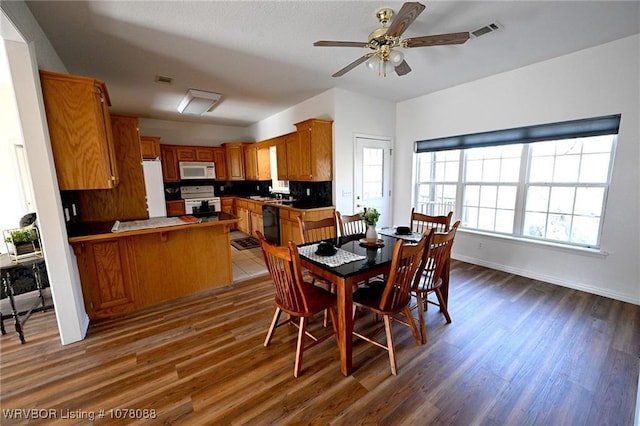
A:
x: 175, y: 208
x: 242, y: 211
x: 227, y: 205
x: 108, y: 275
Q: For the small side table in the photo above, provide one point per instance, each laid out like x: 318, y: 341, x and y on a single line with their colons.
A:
x: 20, y: 317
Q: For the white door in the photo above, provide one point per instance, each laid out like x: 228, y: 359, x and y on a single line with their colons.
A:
x: 373, y: 177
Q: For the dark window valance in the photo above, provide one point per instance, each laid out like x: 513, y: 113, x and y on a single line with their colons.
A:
x: 607, y: 125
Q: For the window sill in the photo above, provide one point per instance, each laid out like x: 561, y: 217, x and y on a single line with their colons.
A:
x: 528, y: 242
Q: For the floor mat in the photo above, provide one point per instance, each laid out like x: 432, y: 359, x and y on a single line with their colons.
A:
x: 245, y: 243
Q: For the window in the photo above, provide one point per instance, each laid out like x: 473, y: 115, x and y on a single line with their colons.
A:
x: 551, y: 190
x: 437, y: 182
x: 490, y: 187
x: 277, y: 186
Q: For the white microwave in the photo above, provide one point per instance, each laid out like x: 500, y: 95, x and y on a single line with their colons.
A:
x: 197, y: 170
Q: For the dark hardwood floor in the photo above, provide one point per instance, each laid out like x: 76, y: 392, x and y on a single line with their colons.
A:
x: 518, y: 352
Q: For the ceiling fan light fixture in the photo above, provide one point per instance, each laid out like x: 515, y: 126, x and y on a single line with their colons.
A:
x: 373, y: 63
x: 197, y: 102
x: 396, y: 57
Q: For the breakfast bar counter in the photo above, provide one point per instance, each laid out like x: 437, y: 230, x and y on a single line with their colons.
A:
x: 125, y: 271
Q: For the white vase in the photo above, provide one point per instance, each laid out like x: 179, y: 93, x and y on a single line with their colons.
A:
x: 371, y: 235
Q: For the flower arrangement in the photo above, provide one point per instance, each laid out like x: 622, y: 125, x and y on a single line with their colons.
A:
x: 370, y: 216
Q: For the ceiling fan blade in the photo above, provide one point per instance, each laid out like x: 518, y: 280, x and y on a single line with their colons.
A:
x: 405, y: 17
x: 324, y: 43
x: 403, y: 68
x: 351, y: 66
x: 437, y: 40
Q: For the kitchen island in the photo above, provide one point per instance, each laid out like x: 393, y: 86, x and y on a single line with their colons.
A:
x: 123, y: 272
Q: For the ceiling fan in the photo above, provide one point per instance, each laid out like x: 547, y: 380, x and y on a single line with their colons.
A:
x: 385, y: 40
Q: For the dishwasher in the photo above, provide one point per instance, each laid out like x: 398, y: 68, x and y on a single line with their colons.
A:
x: 271, y: 224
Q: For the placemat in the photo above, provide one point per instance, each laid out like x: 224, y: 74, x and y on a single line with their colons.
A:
x: 340, y: 258
x: 390, y: 232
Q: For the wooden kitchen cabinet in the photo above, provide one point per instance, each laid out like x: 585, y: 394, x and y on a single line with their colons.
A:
x: 150, y: 147
x: 281, y: 154
x: 235, y: 160
x: 186, y: 153
x: 255, y: 217
x: 257, y: 161
x: 264, y: 162
x: 250, y: 162
x: 108, y: 277
x: 175, y: 208
x: 314, y: 152
x: 80, y: 131
x: 169, y: 159
x: 204, y: 154
x: 227, y: 205
x: 293, y: 157
x: 220, y: 160
x: 242, y: 211
x: 128, y: 200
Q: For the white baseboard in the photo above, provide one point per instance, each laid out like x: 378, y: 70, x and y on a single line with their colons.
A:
x: 634, y: 299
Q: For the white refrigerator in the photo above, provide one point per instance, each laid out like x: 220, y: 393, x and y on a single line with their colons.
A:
x: 152, y: 170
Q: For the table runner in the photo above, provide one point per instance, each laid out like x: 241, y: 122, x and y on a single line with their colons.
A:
x: 391, y: 232
x: 340, y: 258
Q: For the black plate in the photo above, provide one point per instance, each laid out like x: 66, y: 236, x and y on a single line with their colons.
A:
x: 327, y: 253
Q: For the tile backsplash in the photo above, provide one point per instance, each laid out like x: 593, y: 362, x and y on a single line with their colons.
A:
x: 314, y: 193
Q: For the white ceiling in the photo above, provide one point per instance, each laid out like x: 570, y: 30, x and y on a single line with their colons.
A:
x: 260, y: 54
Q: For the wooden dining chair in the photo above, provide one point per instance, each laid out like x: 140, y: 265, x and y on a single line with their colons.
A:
x: 429, y: 279
x: 318, y: 230
x: 295, y: 296
x: 351, y: 224
x: 421, y: 222
x: 393, y: 297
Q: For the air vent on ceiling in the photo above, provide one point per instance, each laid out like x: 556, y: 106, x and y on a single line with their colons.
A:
x: 163, y: 79
x: 197, y: 102
x: 494, y: 26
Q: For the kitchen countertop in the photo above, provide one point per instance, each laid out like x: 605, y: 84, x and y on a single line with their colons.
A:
x: 292, y: 204
x: 102, y: 230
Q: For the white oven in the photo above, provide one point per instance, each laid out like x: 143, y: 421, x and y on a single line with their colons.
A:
x: 195, y: 196
x: 213, y: 203
x: 197, y: 170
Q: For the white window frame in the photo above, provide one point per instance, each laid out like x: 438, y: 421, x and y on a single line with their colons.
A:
x: 521, y: 194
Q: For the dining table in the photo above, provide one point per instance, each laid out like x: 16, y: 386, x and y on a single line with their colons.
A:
x: 364, y: 261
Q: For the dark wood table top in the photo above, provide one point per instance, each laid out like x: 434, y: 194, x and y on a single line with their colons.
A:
x: 375, y: 256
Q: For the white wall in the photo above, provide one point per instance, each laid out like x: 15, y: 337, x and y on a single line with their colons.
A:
x: 598, y: 81
x: 356, y: 115
x: 185, y: 133
x: 319, y: 106
x: 352, y: 114
x: 61, y: 265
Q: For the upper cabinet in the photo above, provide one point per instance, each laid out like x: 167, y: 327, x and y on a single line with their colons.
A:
x: 220, y: 160
x: 204, y: 154
x: 186, y: 153
x: 235, y: 160
x: 264, y: 161
x: 150, y: 147
x: 80, y: 131
x: 312, y: 158
x: 251, y: 162
x: 281, y: 154
x: 127, y: 201
x: 169, y: 159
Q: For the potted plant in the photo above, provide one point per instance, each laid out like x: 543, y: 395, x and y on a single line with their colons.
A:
x: 21, y: 241
x: 370, y: 217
